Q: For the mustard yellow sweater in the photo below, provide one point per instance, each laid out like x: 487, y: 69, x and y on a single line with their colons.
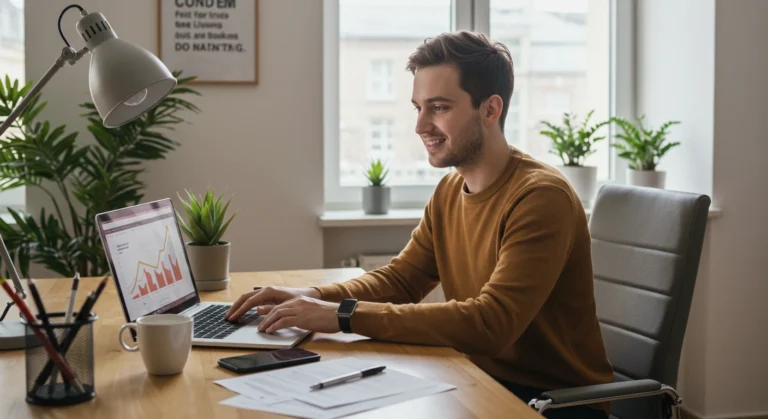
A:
x: 515, y: 264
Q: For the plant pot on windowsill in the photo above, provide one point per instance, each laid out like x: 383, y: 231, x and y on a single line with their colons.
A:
x: 647, y: 178
x: 376, y: 196
x: 376, y: 199
x: 208, y: 254
x: 583, y: 179
x: 644, y: 147
x: 574, y: 141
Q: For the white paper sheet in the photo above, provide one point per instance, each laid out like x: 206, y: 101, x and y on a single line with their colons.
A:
x: 287, y: 392
x: 295, y: 383
x: 300, y: 409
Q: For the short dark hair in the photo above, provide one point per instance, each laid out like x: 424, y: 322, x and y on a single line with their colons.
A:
x: 485, y: 68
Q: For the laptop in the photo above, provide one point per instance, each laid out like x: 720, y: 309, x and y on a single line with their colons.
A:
x: 151, y: 270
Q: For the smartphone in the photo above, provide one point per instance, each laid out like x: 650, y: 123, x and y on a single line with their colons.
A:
x: 262, y: 361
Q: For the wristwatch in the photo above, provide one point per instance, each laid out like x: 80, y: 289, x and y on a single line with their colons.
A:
x: 344, y: 314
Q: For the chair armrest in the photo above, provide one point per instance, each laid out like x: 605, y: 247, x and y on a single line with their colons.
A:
x: 602, y: 393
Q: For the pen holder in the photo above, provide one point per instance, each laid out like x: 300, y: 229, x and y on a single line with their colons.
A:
x: 77, y: 340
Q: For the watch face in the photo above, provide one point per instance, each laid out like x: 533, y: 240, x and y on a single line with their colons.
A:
x: 347, y: 306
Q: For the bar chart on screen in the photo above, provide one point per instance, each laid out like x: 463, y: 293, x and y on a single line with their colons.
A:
x: 151, y: 267
x: 164, y: 272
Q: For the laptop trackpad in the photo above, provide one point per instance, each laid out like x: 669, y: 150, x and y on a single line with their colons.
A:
x: 250, y: 331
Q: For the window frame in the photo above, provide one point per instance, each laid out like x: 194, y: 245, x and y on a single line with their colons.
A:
x: 473, y: 15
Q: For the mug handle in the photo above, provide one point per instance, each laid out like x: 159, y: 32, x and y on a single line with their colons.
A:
x: 125, y: 346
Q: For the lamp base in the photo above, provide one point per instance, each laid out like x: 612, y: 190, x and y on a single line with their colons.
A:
x: 13, y: 335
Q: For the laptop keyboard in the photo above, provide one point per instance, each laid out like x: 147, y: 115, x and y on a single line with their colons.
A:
x: 209, y: 323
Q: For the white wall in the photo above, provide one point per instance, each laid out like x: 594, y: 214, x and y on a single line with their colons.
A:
x: 263, y: 143
x: 675, y: 74
x: 702, y: 61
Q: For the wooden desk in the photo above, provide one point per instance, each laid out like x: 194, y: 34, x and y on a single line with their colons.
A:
x: 125, y: 390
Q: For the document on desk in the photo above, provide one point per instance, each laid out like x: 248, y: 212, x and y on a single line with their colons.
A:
x: 287, y: 391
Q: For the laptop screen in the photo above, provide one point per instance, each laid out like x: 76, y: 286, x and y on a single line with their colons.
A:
x: 148, y: 259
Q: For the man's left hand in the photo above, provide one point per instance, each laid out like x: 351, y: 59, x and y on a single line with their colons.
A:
x: 302, y: 312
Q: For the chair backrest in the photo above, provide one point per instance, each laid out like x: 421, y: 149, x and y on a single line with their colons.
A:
x: 646, y: 246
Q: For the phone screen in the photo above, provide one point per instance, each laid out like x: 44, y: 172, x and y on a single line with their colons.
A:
x: 268, y: 360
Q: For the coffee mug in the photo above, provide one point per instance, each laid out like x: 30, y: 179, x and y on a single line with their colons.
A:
x: 164, y: 341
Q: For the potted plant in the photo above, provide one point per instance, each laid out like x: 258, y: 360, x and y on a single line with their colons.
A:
x: 573, y: 143
x: 376, y: 196
x: 205, y: 225
x: 643, y: 148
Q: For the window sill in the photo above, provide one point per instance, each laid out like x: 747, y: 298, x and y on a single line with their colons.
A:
x: 7, y: 218
x: 400, y: 217
x: 357, y: 218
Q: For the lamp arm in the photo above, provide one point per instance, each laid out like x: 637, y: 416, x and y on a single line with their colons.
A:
x: 68, y: 55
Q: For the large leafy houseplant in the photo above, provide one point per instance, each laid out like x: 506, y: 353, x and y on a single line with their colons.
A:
x: 80, y: 180
x: 643, y: 147
x: 572, y: 141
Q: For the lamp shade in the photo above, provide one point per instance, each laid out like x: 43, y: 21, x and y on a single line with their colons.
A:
x: 125, y: 80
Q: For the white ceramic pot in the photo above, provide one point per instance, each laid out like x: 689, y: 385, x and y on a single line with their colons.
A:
x: 584, y: 181
x: 647, y: 178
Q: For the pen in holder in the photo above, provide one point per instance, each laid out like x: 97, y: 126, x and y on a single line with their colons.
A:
x: 76, y: 343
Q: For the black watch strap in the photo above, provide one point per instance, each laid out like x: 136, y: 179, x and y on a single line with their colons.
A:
x: 344, y: 314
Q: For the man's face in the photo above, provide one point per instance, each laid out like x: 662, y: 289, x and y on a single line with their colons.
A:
x: 447, y: 123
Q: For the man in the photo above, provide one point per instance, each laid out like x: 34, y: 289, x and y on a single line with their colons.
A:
x: 504, y: 234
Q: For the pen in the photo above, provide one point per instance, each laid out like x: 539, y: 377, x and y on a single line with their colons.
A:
x: 348, y: 377
x: 46, y: 325
x: 43, y: 314
x: 72, y: 294
x: 66, y: 370
x: 68, y: 316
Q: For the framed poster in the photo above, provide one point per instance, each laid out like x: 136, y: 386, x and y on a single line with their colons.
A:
x: 213, y: 40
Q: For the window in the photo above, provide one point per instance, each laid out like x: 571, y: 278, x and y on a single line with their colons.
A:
x: 381, y: 80
x: 561, y: 51
x: 561, y: 54
x: 381, y: 135
x: 12, y: 65
x: 558, y: 103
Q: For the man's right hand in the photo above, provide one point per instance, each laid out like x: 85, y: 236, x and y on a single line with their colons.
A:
x: 266, y: 298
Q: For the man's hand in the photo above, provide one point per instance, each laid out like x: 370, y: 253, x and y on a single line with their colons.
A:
x: 265, y: 297
x: 302, y: 312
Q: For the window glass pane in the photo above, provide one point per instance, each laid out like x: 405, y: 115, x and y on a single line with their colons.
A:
x: 561, y: 55
x: 12, y: 65
x: 376, y: 37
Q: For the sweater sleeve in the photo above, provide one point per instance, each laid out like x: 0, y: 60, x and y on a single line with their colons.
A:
x: 535, y: 246
x: 408, y: 278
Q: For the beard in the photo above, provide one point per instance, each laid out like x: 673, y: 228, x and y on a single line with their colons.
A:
x: 465, y: 148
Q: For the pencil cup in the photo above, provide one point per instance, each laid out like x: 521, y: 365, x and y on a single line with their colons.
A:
x: 75, y: 339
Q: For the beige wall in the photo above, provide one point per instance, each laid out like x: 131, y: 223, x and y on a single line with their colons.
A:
x: 260, y: 142
x: 700, y: 62
x: 738, y: 360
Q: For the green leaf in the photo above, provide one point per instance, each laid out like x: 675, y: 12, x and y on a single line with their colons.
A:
x: 573, y: 141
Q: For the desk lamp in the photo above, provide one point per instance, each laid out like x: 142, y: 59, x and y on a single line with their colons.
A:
x: 125, y: 81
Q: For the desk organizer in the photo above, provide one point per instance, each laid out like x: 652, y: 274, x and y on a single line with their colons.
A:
x: 79, y: 355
